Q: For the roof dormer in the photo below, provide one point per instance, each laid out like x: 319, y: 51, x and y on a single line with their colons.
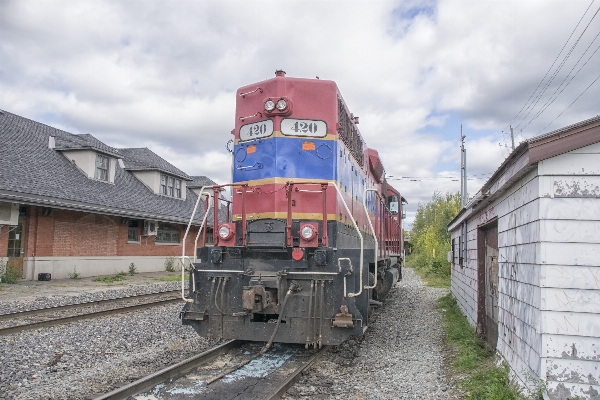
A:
x: 155, y: 172
x: 92, y: 157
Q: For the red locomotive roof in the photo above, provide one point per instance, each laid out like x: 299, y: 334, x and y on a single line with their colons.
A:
x: 313, y: 99
x: 375, y: 164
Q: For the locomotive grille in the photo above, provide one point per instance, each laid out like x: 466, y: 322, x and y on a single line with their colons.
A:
x: 348, y: 133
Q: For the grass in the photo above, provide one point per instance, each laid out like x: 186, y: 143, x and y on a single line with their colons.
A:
x: 434, y: 281
x: 111, y: 278
x: 434, y: 277
x: 473, y: 359
x: 170, y: 278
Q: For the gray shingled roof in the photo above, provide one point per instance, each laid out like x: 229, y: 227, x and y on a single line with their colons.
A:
x: 199, y: 181
x: 84, y: 142
x: 144, y: 159
x: 32, y: 173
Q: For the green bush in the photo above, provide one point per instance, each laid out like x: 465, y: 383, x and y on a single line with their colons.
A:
x: 132, y: 269
x: 8, y: 273
x: 74, y: 275
x: 170, y: 264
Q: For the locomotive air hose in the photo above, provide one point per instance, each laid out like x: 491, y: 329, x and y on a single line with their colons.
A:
x: 212, y: 288
x: 270, y: 342
x: 266, y: 348
x: 223, y: 283
x: 309, y: 319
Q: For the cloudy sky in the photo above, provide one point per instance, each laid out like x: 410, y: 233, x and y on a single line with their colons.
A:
x: 163, y: 74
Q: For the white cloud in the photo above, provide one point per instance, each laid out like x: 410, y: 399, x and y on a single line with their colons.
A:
x: 163, y: 74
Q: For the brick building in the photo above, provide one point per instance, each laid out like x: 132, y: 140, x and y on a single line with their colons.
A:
x: 70, y: 202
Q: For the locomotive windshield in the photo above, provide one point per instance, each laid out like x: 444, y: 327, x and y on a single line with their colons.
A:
x: 393, y: 204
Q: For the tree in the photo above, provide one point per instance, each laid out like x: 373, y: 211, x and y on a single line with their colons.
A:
x: 429, y: 235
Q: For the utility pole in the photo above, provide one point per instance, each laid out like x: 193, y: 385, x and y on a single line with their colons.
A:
x: 463, y: 171
x: 512, y: 138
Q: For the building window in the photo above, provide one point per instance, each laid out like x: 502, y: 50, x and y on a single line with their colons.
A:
x: 209, y: 237
x: 462, y: 245
x: 170, y: 186
x: 178, y: 188
x: 163, y: 184
x: 133, y: 231
x: 101, y: 167
x: 167, y: 234
x: 15, y: 241
x: 170, y: 182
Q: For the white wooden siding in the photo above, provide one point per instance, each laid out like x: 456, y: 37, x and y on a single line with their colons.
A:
x: 464, y: 278
x: 571, y: 300
x: 570, y: 276
x: 562, y: 346
x: 570, y: 272
x: 549, y: 273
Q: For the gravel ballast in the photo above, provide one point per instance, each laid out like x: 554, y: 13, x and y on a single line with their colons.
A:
x: 55, y: 300
x: 399, y: 357
x: 80, y: 359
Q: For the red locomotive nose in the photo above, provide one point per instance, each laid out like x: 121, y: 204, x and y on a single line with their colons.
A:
x: 297, y: 254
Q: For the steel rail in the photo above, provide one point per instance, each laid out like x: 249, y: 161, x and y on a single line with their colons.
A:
x: 154, y: 379
x: 148, y: 382
x: 58, y: 321
x: 296, y: 375
x: 45, y: 310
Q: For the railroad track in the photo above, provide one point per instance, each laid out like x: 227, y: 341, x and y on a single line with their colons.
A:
x: 50, y: 316
x: 266, y: 376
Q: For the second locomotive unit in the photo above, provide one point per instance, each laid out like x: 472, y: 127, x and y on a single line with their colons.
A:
x: 312, y: 235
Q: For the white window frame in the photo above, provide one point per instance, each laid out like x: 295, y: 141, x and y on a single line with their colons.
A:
x: 170, y: 186
x: 100, y: 173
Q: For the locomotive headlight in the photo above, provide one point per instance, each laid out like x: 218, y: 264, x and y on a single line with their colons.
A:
x: 307, y: 232
x: 281, y: 104
x: 224, y: 232
x: 270, y: 105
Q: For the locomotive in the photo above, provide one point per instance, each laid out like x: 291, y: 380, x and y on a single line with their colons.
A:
x: 311, y: 237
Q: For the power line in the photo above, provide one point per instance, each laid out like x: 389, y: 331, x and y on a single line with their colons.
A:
x: 433, y: 178
x: 436, y: 176
x: 555, y: 73
x: 573, y: 102
x: 576, y: 73
x: 457, y: 179
x: 554, y: 62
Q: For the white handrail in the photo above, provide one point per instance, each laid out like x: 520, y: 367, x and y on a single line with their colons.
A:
x: 374, y: 235
x: 359, y: 234
x: 187, y: 230
x: 201, y: 227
